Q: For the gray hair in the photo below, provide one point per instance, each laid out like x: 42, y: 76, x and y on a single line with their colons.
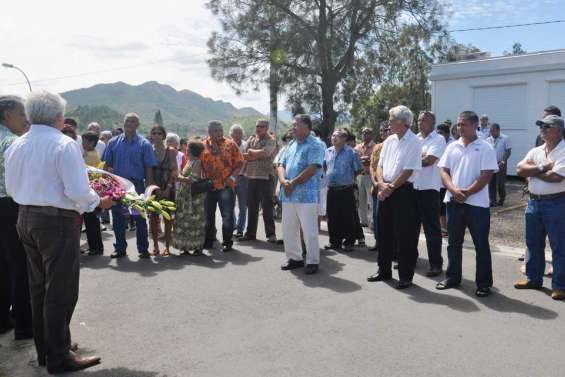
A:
x: 215, y: 124
x: 402, y: 113
x: 43, y: 107
x: 484, y: 116
x: 236, y: 127
x: 94, y: 126
x: 106, y: 133
x: 9, y: 103
x: 132, y: 115
x: 173, y: 137
x: 262, y: 120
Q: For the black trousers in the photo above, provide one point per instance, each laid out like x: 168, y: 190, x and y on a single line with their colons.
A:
x: 14, y: 288
x: 398, y: 228
x: 428, y: 215
x: 51, y: 238
x: 260, y: 192
x: 93, y: 233
x: 341, y: 211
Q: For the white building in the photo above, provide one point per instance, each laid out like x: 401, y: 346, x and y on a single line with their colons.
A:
x: 512, y: 90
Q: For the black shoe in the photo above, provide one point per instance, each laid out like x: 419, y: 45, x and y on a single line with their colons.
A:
x: 238, y: 235
x: 311, y: 269
x: 144, y: 255
x: 374, y: 248
x: 132, y: 228
x: 482, y: 292
x: 434, y: 271
x: 403, y: 284
x: 247, y: 237
x: 74, y: 364
x: 380, y: 276
x: 361, y: 242
x: 117, y: 254
x: 95, y: 252
x: 292, y: 264
x: 446, y: 284
x: 227, y: 247
x: 332, y: 247
x: 347, y: 248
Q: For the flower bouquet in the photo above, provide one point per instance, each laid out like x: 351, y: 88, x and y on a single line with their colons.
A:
x: 123, y: 191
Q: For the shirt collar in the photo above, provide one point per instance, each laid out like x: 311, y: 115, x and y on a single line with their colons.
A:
x: 406, y: 136
x: 460, y: 142
x: 431, y: 134
x: 42, y: 128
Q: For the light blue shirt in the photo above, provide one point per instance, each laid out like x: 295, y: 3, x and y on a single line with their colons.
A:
x: 129, y: 159
x: 341, y: 167
x: 297, y: 157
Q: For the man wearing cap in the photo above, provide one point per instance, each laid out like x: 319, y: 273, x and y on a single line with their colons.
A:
x: 502, y: 147
x: 544, y: 166
x: 364, y: 150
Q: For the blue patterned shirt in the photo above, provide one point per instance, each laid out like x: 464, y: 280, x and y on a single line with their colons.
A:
x: 129, y: 159
x: 296, y: 158
x: 6, y: 139
x: 341, y: 167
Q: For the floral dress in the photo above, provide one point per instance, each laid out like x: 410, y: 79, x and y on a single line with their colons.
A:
x: 188, y: 233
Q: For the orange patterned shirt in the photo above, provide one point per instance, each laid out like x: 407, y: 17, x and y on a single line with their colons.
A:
x: 219, y: 160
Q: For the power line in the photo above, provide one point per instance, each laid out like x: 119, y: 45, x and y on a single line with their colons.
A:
x: 506, y: 26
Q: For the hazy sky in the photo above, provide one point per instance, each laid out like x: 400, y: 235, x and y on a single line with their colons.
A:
x: 66, y: 44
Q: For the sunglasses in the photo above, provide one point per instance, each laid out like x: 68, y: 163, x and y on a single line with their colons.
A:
x: 156, y: 133
x: 546, y: 126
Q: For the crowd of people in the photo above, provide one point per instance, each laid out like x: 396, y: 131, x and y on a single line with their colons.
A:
x: 442, y: 179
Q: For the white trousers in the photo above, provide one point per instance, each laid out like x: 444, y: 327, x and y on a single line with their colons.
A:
x: 294, y: 217
x: 365, y: 200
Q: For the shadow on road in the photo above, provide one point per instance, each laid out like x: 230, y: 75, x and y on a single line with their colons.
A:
x: 325, y: 279
x: 113, y: 372
x: 425, y: 296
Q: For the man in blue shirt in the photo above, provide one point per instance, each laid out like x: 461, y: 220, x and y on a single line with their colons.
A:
x: 341, y: 164
x: 299, y: 176
x: 130, y: 156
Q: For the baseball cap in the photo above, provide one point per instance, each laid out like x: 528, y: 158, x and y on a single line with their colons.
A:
x: 551, y: 120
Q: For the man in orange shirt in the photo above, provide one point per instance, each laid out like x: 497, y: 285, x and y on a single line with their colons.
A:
x: 220, y: 159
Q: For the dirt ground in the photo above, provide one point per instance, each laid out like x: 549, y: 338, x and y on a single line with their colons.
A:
x: 507, y: 222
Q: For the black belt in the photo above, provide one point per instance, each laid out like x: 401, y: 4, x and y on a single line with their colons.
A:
x: 340, y: 188
x: 547, y: 196
x: 49, y: 211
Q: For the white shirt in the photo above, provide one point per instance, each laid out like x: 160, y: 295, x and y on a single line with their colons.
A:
x: 180, y: 156
x: 400, y: 154
x: 483, y: 133
x: 44, y: 167
x: 537, y: 155
x: 465, y: 165
x: 501, y: 144
x: 100, y: 146
x: 429, y: 178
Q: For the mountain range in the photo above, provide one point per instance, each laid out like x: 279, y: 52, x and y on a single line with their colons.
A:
x: 183, y: 109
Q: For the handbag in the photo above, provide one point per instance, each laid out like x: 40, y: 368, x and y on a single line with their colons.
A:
x: 201, y: 186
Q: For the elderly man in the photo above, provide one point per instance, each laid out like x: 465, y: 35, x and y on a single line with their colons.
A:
x: 401, y: 156
x: 544, y: 166
x: 48, y: 225
x: 549, y: 110
x: 221, y: 161
x: 503, y: 148
x: 14, y: 288
x: 299, y: 176
x: 130, y: 156
x: 241, y: 187
x: 341, y: 164
x: 428, y: 184
x: 466, y: 168
x: 365, y: 149
x: 484, y: 127
x: 100, y: 145
x: 259, y: 154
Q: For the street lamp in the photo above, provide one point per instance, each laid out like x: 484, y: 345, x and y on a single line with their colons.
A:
x: 6, y: 65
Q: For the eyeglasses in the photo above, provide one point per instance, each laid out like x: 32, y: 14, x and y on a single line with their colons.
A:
x: 546, y: 126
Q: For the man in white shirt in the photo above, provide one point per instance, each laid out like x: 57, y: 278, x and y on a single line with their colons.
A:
x: 484, y: 128
x: 397, y: 223
x: 503, y: 148
x: 466, y: 168
x: 427, y: 185
x: 237, y: 135
x: 544, y: 167
x: 46, y: 176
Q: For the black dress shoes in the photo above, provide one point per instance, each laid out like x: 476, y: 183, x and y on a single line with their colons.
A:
x: 74, y: 364
x: 227, y: 247
x: 380, y: 276
x: 117, y: 254
x: 403, y: 284
x: 292, y: 264
x: 433, y: 271
x: 311, y: 269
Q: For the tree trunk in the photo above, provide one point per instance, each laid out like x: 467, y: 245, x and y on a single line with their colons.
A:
x: 329, y: 115
x: 274, y: 86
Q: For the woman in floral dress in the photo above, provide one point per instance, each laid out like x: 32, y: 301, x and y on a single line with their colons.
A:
x: 188, y: 234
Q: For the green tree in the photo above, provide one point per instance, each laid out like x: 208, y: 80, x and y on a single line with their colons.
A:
x: 158, y: 118
x: 516, y: 50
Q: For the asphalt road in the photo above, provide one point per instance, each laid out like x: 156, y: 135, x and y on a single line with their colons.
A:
x: 238, y: 314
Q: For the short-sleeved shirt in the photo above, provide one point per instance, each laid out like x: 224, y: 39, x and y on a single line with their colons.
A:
x: 341, y: 166
x: 501, y: 144
x: 296, y: 158
x: 399, y: 155
x: 219, y: 160
x: 537, y: 156
x: 129, y: 159
x: 429, y: 178
x: 6, y: 139
x: 465, y: 164
x: 91, y: 158
x: 261, y: 169
x: 365, y: 150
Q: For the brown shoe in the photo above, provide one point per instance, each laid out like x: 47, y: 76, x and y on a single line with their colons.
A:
x: 558, y: 294
x: 526, y: 284
x: 74, y: 364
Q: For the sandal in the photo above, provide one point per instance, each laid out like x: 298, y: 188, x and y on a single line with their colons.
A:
x: 446, y: 284
x: 166, y: 252
x: 155, y: 253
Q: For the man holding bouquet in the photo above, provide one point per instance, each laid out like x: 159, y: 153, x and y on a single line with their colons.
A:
x: 45, y: 174
x: 130, y: 156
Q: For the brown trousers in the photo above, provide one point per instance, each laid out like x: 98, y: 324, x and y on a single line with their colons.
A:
x: 51, y: 238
